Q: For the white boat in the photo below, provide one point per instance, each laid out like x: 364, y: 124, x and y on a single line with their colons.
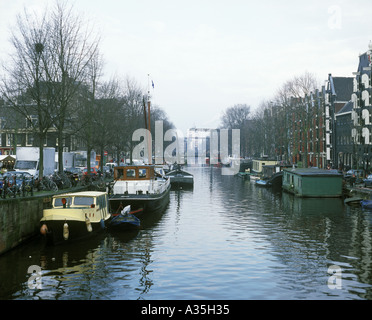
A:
x: 75, y: 216
x: 254, y: 178
x: 141, y: 187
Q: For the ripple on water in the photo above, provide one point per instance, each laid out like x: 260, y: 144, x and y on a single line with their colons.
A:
x: 225, y: 239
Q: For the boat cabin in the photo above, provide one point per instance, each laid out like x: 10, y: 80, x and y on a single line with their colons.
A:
x: 312, y: 182
x: 144, y: 172
x: 257, y: 165
x: 76, y: 206
x: 85, y: 199
x: 269, y: 170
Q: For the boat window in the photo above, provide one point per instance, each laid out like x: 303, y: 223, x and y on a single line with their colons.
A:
x: 142, y: 173
x: 120, y: 173
x: 101, y: 201
x: 83, y: 201
x: 58, y: 201
x: 131, y: 173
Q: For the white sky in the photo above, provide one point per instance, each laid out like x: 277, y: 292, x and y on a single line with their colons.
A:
x: 207, y: 55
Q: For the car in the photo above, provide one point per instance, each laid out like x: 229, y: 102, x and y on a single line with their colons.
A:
x: 368, y: 181
x: 106, y: 170
x: 72, y: 170
x: 93, y: 171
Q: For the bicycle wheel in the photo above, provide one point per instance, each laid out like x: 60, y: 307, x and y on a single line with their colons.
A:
x: 52, y: 186
x: 66, y: 182
x: 101, y: 183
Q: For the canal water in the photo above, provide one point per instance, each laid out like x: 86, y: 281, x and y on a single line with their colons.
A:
x: 225, y: 239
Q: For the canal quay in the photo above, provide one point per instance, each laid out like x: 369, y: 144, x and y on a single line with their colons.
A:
x: 224, y: 239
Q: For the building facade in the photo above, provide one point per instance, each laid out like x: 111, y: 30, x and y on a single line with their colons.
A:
x: 361, y: 111
x: 308, y: 134
x: 18, y: 131
x: 344, y: 144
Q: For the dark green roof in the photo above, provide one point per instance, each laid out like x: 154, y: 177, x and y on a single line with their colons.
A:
x: 313, y: 172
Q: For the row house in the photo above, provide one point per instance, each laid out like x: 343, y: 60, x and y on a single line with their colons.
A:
x: 333, y: 127
x: 361, y: 111
x: 338, y: 93
x: 308, y: 145
x: 345, y: 147
x: 313, y: 134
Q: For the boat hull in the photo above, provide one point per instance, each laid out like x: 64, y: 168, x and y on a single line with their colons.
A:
x: 141, y: 204
x: 124, y: 223
x: 366, y: 204
x: 262, y: 183
x: 77, y: 230
x: 180, y: 178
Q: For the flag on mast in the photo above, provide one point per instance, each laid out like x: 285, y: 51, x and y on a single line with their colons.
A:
x: 152, y: 84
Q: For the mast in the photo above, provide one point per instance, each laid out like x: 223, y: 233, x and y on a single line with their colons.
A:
x: 149, y: 144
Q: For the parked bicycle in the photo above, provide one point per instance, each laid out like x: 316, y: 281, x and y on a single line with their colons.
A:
x: 16, y: 183
x: 73, y: 175
x: 46, y: 184
x: 61, y: 180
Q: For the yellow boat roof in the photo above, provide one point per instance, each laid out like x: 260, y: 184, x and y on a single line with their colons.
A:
x: 81, y: 194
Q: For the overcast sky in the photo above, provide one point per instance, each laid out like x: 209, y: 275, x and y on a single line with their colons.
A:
x: 205, y: 56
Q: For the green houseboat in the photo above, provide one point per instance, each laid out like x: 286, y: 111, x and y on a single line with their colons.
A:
x: 312, y: 182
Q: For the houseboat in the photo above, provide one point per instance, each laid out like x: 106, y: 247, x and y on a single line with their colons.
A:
x: 257, y: 168
x: 140, y: 187
x: 312, y: 182
x: 180, y: 178
x: 272, y: 175
x: 75, y: 216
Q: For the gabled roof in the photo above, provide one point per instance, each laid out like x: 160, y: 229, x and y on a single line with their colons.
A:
x: 343, y: 87
x: 363, y: 63
x: 348, y: 107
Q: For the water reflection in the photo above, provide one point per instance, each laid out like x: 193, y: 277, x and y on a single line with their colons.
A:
x: 224, y: 239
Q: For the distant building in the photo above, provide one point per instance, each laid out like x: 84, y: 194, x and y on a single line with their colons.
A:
x: 20, y: 130
x: 344, y: 144
x: 308, y: 130
x: 338, y: 94
x: 361, y: 111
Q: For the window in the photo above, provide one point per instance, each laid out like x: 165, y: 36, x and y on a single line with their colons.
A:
x: 83, y: 201
x: 59, y: 203
x: 29, y: 139
x: 120, y: 173
x: 9, y: 139
x: 142, y: 173
x: 31, y: 121
x: 2, y: 122
x: 101, y: 201
x: 131, y: 173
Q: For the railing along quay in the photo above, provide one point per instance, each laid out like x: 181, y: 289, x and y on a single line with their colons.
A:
x: 20, y: 213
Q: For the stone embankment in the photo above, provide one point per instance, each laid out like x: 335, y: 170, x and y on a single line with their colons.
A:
x: 20, y: 217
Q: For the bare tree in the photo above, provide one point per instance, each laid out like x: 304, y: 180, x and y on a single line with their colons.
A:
x: 237, y: 117
x: 51, y: 59
x: 290, y: 99
x: 107, y: 112
x: 74, y: 52
x: 25, y: 84
x: 297, y: 87
x: 132, y: 113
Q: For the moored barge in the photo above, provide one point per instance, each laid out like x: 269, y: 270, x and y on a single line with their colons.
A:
x: 75, y: 216
x: 313, y: 182
x: 140, y: 187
